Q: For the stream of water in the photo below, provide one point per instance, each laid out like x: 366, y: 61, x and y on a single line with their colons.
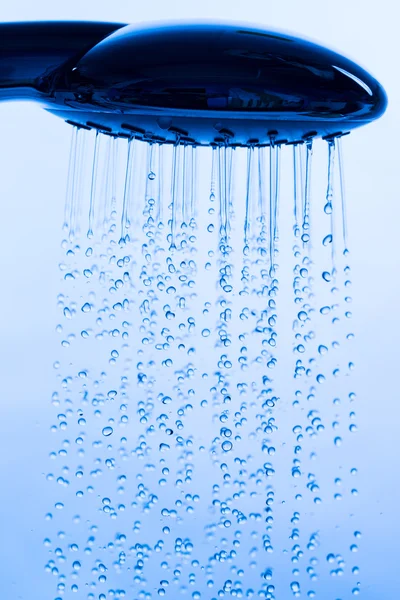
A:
x: 203, y: 408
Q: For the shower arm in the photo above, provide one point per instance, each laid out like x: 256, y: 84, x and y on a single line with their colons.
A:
x: 30, y: 52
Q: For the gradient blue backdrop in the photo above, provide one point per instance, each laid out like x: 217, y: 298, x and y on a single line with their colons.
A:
x: 34, y: 149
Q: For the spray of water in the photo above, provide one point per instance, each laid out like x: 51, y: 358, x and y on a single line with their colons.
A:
x: 199, y: 442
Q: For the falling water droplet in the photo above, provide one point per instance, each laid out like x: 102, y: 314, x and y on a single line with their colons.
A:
x: 188, y: 375
x: 227, y: 446
x: 295, y: 586
x: 326, y: 276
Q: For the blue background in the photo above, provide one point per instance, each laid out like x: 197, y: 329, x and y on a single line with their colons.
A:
x: 34, y: 150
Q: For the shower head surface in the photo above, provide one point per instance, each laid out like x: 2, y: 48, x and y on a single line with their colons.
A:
x: 191, y: 83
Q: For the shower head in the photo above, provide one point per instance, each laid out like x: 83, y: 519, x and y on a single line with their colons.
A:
x: 187, y: 83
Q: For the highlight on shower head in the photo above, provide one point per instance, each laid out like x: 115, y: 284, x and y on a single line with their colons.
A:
x: 187, y: 83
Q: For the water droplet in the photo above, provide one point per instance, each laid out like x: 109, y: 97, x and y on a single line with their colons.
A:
x: 107, y: 431
x: 225, y: 432
x: 295, y: 586
x: 67, y: 313
x: 327, y: 240
x: 325, y: 310
x: 326, y: 276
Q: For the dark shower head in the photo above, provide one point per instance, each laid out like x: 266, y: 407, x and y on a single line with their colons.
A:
x: 191, y: 83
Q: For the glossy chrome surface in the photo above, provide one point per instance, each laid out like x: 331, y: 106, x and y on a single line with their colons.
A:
x: 199, y: 83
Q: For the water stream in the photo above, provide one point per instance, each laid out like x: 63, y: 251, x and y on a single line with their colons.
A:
x: 203, y: 407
